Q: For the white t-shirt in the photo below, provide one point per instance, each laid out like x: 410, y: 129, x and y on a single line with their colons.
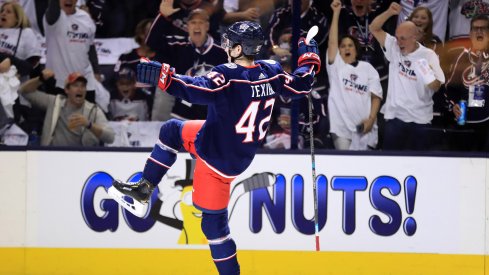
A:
x: 408, y: 98
x: 439, y: 9
x: 350, y: 94
x: 29, y: 7
x: 136, y: 110
x: 28, y: 44
x: 461, y: 12
x: 68, y: 41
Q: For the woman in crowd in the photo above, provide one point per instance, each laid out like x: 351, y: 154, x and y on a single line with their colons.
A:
x: 355, y: 92
x: 423, y: 19
x: 18, y: 43
x: 20, y: 52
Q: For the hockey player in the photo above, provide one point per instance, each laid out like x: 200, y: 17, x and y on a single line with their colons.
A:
x: 240, y: 96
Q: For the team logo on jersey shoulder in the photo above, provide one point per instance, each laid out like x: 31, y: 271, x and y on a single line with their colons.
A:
x: 353, y: 77
x: 74, y: 27
x: 199, y: 69
x: 231, y: 65
x: 407, y: 63
x: 243, y: 27
x: 270, y: 61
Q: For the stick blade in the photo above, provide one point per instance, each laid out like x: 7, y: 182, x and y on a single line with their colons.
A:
x: 135, y: 207
x: 311, y: 33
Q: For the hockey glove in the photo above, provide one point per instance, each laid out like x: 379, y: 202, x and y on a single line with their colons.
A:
x: 309, y: 54
x: 154, y: 73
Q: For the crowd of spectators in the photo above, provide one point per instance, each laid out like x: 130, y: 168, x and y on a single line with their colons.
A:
x: 395, y: 74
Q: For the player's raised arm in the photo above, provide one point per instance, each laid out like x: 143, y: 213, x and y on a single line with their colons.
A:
x: 198, y: 90
x: 299, y: 83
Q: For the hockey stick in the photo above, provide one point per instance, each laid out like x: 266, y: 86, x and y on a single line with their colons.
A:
x: 261, y: 180
x: 313, y: 166
x: 310, y: 34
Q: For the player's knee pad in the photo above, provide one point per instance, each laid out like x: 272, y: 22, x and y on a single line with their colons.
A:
x: 223, y: 248
x: 169, y: 142
x: 215, y: 226
x: 171, y: 134
x: 165, y: 151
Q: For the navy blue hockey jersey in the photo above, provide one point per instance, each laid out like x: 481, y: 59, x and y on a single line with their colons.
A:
x: 240, y: 102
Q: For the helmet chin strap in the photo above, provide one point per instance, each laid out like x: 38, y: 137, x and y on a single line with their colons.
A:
x: 233, y: 58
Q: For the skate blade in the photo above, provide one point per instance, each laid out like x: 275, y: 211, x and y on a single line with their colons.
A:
x: 136, y: 208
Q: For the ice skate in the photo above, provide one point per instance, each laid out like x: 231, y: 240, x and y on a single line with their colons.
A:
x: 133, y: 196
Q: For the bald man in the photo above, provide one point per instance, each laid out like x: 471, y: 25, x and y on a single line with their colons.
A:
x: 414, y: 76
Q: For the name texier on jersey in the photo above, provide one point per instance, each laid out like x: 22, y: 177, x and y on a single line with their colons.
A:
x: 240, y: 102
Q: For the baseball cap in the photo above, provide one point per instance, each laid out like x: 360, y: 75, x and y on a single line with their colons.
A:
x: 73, y: 77
x: 198, y: 12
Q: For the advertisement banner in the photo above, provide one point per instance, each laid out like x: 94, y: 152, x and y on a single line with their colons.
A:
x: 13, y: 203
x: 366, y: 204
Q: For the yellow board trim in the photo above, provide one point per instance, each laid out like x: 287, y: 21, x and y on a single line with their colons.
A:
x: 101, y: 261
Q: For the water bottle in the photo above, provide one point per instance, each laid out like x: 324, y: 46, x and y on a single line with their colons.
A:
x: 34, y: 139
x: 463, y: 109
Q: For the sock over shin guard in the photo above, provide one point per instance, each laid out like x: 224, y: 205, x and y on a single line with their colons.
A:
x: 164, y: 152
x: 223, y: 248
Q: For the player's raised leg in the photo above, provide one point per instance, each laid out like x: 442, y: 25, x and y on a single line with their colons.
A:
x: 162, y: 157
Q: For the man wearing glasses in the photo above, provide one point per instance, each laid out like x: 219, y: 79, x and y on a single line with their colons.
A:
x: 467, y: 80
